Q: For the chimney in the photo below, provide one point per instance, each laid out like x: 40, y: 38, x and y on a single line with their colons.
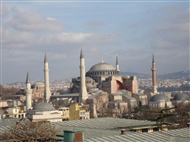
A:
x: 123, y: 131
x: 73, y: 136
x: 188, y: 125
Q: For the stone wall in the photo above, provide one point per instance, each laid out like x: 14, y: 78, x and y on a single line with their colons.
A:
x: 98, y: 103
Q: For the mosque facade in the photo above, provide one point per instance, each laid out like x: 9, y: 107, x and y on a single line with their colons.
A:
x: 100, y: 87
x: 42, y: 110
x: 105, y: 77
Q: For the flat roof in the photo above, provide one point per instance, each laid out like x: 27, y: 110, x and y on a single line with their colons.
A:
x: 97, y: 127
x: 177, y: 135
x: 109, y: 129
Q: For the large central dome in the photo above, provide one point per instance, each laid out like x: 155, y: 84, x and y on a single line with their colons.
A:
x: 102, y: 68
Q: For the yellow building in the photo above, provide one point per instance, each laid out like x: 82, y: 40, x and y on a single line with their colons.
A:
x: 64, y: 113
x: 78, y: 112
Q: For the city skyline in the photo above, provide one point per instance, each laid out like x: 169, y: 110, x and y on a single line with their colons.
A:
x: 104, y: 29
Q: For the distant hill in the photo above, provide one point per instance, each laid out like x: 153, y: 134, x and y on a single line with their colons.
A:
x: 138, y: 75
x: 174, y: 75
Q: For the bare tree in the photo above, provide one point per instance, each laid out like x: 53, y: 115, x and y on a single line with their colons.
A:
x: 8, y: 91
x: 40, y: 131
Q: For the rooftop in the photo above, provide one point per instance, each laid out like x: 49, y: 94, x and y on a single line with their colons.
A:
x: 159, y: 136
x: 101, y: 126
x: 108, y: 129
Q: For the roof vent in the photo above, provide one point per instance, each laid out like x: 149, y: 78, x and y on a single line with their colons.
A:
x: 123, y: 131
x: 188, y: 125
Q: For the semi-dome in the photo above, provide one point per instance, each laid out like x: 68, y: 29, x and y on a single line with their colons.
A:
x: 38, y: 83
x: 159, y: 98
x: 43, y: 106
x: 181, y: 97
x: 89, y: 79
x: 102, y: 68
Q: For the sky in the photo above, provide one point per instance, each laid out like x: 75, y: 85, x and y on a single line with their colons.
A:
x: 133, y: 30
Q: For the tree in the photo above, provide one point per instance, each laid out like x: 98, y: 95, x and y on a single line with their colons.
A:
x: 40, y: 131
x: 8, y: 92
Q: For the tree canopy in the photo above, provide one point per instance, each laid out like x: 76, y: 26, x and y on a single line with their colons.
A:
x: 40, y: 131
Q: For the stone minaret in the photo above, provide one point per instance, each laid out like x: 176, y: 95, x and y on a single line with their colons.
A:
x: 28, y: 93
x: 47, y: 92
x: 117, y: 64
x: 83, y: 93
x: 154, y: 75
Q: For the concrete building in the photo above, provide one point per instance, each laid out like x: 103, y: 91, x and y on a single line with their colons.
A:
x: 64, y: 113
x: 117, y: 107
x: 141, y: 99
x: 97, y: 103
x: 116, y: 96
x: 132, y: 102
x: 14, y: 112
x: 78, y: 112
x: 3, y: 104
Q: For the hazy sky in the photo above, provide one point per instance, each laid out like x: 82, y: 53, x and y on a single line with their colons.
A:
x: 103, y: 29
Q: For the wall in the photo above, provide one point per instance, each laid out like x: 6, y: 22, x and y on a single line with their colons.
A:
x: 3, y: 103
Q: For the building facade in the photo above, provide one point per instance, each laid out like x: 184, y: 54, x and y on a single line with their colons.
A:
x: 78, y: 112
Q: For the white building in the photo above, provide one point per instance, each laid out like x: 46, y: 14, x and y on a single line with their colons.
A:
x: 44, y: 111
x: 181, y: 98
x: 64, y: 112
x: 159, y: 101
x: 14, y: 112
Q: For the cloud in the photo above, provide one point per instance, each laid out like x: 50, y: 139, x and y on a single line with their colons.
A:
x: 3, y: 10
x: 17, y: 40
x: 94, y: 24
x: 29, y: 21
x: 58, y: 56
x: 56, y: 41
x: 78, y: 38
x: 171, y: 30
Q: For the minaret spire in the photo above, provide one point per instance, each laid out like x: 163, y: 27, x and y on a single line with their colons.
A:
x: 47, y: 92
x: 153, y: 57
x: 117, y: 63
x: 28, y: 93
x: 27, y: 78
x: 154, y: 75
x: 83, y: 95
x: 81, y: 54
x: 45, y: 58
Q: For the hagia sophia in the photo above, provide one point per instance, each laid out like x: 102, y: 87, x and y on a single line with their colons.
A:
x: 101, y: 88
